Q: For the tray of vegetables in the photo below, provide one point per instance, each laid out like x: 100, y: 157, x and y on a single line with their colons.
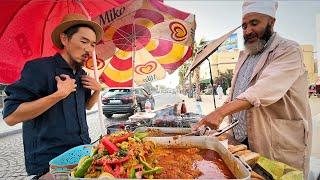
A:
x: 121, y: 154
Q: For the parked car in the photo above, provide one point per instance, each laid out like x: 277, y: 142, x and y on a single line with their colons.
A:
x: 121, y: 100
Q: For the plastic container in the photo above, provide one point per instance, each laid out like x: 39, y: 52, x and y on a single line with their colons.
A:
x: 68, y: 160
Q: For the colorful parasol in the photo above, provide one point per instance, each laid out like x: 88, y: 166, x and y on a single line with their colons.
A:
x: 143, y: 40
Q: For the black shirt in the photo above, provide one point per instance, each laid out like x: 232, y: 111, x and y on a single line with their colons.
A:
x: 58, y: 129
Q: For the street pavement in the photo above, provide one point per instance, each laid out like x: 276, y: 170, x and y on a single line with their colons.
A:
x: 6, y: 130
x: 11, y: 157
x: 11, y: 147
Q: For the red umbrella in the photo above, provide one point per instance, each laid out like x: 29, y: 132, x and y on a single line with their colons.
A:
x: 26, y: 26
x: 25, y: 31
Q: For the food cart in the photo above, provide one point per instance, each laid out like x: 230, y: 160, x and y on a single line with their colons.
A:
x: 174, y: 129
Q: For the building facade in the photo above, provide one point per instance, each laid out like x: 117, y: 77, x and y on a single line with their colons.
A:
x: 310, y: 63
x: 224, y: 61
x: 317, y: 55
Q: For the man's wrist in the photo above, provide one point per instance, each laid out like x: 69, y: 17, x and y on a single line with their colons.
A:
x: 57, y: 95
x: 96, y: 91
x: 222, y: 112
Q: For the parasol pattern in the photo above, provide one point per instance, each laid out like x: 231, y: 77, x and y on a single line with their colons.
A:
x: 143, y: 40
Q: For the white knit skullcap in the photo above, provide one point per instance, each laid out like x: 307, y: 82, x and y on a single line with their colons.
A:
x: 267, y: 7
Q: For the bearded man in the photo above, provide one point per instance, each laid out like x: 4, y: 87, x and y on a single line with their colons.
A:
x: 269, y: 92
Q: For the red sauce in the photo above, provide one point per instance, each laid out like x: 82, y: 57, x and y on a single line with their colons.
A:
x: 189, y: 163
x: 212, y: 166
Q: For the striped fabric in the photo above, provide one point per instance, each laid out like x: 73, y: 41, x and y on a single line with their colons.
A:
x: 241, y: 85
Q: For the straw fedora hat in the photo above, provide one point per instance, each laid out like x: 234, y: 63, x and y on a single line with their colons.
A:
x: 70, y: 20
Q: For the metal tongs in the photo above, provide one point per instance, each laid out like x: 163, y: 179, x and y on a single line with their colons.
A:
x: 208, y: 131
x: 199, y: 132
x: 218, y: 132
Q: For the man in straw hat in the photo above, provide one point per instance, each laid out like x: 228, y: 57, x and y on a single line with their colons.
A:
x: 52, y: 94
x: 269, y: 93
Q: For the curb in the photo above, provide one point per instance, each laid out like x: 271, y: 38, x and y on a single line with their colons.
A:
x: 12, y: 132
x: 91, y: 112
x: 16, y: 131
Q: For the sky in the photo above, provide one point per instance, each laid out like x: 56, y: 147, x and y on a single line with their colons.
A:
x: 295, y: 20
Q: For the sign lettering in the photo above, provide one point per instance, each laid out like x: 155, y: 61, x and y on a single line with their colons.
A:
x: 111, y: 15
x: 150, y: 78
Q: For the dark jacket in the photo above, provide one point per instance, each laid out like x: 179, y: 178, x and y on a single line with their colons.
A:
x: 58, y: 129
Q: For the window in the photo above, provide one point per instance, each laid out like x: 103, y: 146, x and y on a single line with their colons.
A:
x: 117, y: 91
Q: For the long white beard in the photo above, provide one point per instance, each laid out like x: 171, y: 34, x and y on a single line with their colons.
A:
x: 256, y: 47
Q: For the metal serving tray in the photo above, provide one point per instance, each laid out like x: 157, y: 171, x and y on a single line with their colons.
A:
x: 237, y: 167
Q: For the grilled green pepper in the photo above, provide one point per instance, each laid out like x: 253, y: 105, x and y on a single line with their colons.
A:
x: 145, y: 164
x: 132, y: 173
x: 83, y: 168
x: 155, y: 170
x: 94, y: 151
x: 141, y: 135
x: 82, y: 160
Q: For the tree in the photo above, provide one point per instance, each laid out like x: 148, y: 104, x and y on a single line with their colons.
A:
x: 224, y: 80
x: 182, y: 72
x: 148, y: 86
x: 197, y: 83
x: 202, y: 44
x: 196, y: 74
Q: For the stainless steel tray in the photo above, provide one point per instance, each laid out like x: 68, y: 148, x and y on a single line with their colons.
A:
x: 173, y: 130
x: 166, y: 130
x: 236, y: 166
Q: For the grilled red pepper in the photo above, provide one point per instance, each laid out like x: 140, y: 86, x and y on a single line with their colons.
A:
x: 117, y: 170
x: 107, y: 168
x: 114, y: 160
x: 122, y: 138
x: 100, y: 161
x: 117, y: 160
x: 111, y: 148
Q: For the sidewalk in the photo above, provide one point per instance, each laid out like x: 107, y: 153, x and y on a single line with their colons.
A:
x: 6, y: 130
x: 206, y: 104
